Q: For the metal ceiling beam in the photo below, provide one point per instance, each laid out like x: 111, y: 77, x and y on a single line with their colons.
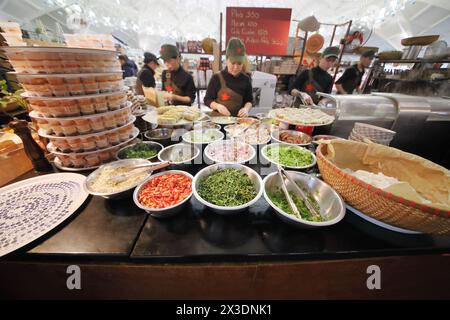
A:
x: 434, y: 25
x: 47, y: 12
x: 421, y: 11
x: 386, y: 38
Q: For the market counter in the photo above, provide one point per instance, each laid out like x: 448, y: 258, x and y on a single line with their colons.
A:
x: 128, y: 254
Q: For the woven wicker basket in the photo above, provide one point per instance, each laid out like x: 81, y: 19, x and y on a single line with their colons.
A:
x: 382, y: 205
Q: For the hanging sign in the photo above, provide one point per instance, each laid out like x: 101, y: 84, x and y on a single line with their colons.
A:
x: 265, y: 31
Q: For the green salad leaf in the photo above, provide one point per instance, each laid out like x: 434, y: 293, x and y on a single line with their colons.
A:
x: 290, y: 156
x: 227, y: 188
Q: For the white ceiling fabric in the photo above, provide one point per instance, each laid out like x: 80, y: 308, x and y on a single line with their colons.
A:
x: 148, y: 23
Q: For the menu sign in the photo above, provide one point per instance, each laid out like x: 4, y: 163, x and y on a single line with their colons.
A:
x: 265, y: 31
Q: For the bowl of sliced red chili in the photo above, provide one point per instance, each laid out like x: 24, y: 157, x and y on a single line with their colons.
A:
x: 164, y: 194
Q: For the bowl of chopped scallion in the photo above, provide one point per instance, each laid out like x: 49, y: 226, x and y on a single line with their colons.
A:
x: 227, y: 188
x: 289, y: 156
x: 142, y: 150
x: 324, y: 198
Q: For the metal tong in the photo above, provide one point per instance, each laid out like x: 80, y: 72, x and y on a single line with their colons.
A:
x: 133, y: 171
x: 284, y: 175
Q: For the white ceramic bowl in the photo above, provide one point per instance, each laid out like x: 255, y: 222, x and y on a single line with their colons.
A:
x: 229, y: 144
x: 163, y: 212
x: 252, y: 174
x: 188, y: 135
x: 267, y: 147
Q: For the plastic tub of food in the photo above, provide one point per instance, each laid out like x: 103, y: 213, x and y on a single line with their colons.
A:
x: 82, y: 124
x: 63, y: 85
x: 88, y: 145
x: 75, y: 106
x: 63, y: 60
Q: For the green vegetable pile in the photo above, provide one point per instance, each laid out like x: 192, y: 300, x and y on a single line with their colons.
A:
x: 141, y: 151
x: 289, y: 156
x: 227, y: 188
x: 278, y: 198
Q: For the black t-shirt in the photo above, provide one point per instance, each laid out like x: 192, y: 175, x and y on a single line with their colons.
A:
x: 320, y: 76
x: 351, y: 78
x: 241, y: 84
x: 184, y: 81
x: 147, y: 77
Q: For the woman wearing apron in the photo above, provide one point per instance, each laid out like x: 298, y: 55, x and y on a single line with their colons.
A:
x: 146, y: 76
x: 229, y: 92
x: 178, y: 83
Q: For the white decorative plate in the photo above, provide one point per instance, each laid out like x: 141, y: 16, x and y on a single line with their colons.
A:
x: 31, y: 208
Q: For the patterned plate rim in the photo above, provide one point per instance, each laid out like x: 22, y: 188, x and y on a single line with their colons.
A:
x: 80, y: 198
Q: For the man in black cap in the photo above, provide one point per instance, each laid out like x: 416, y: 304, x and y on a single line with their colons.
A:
x: 317, y: 79
x: 146, y: 76
x: 351, y: 79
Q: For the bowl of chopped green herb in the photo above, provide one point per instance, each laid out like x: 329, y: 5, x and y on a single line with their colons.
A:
x: 142, y: 150
x: 326, y: 200
x: 227, y: 188
x: 289, y: 156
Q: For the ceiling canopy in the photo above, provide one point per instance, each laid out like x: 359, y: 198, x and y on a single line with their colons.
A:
x: 148, y: 23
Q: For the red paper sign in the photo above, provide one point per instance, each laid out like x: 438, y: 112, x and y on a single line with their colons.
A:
x: 265, y: 31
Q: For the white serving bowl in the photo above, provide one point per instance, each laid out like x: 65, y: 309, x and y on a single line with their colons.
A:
x: 252, y: 174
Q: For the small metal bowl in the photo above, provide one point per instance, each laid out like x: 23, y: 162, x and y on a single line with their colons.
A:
x: 169, y: 154
x: 161, y: 135
x: 252, y: 174
x: 331, y: 204
x: 276, y: 136
x: 217, y: 133
x: 265, y: 148
x: 155, y: 145
x: 163, y: 212
x: 116, y: 164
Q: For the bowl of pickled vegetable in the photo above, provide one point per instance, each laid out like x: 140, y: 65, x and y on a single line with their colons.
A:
x: 325, y: 199
x: 289, y: 156
x: 227, y: 188
x: 164, y: 194
x: 142, y: 150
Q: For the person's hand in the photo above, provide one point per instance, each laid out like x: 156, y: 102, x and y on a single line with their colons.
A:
x: 167, y: 96
x: 307, y: 98
x: 243, y: 112
x: 222, y: 110
x: 174, y: 98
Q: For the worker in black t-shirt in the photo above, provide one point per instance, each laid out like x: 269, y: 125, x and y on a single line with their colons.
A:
x: 146, y: 76
x: 352, y: 76
x: 178, y: 83
x: 230, y: 90
x: 317, y: 79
